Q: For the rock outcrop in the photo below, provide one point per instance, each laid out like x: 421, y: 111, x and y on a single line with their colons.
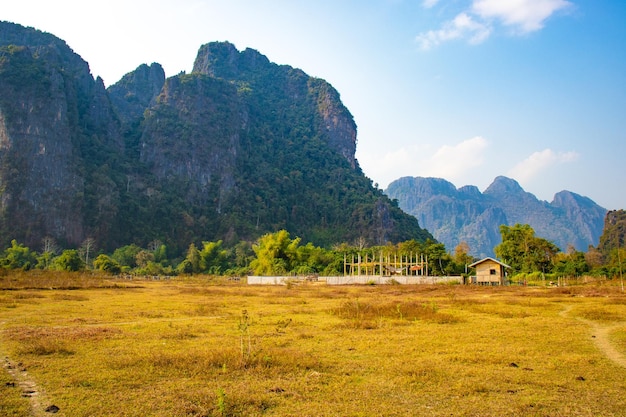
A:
x: 237, y: 148
x: 52, y: 111
x: 455, y: 215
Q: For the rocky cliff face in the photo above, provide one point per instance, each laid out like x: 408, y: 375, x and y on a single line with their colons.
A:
x: 239, y: 147
x: 614, y: 232
x: 467, y: 215
x: 132, y: 95
x: 51, y: 108
x: 191, y: 137
x: 267, y: 84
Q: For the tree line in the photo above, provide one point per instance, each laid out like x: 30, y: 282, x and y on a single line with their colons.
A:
x: 279, y: 254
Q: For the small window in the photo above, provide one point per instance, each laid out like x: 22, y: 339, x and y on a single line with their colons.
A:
x: 492, y: 272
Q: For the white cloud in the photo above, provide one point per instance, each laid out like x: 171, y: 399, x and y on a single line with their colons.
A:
x: 477, y: 23
x: 429, y: 3
x: 527, y: 15
x: 538, y: 162
x: 451, y: 162
x: 462, y: 26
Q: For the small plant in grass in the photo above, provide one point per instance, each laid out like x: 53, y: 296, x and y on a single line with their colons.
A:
x: 245, y: 342
x: 221, y: 402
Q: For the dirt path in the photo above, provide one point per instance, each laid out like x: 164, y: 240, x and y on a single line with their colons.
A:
x: 601, y: 334
x: 40, y: 405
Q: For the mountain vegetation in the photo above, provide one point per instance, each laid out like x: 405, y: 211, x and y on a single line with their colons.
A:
x: 611, y: 251
x: 241, y: 166
x: 238, y: 148
x: 466, y: 215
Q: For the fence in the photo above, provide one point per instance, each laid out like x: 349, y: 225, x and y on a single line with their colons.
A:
x: 355, y: 280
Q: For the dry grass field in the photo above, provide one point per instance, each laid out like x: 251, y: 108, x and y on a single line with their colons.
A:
x: 203, y: 347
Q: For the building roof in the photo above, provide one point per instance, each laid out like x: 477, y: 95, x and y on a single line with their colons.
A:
x: 488, y: 259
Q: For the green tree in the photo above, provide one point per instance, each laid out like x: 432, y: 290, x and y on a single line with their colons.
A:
x: 45, y: 260
x: 126, y: 256
x: 107, y: 264
x: 241, y: 254
x: 213, y: 258
x: 523, y: 251
x: 69, y: 260
x: 191, y: 263
x: 439, y: 261
x: 276, y: 253
x: 312, y: 259
x: 616, y: 261
x: 18, y: 256
x: 570, y: 264
x: 160, y: 254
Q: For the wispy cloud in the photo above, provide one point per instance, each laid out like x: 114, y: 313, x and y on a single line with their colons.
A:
x: 452, y: 162
x: 525, y: 15
x: 429, y: 3
x: 538, y: 162
x: 462, y: 26
x: 477, y: 23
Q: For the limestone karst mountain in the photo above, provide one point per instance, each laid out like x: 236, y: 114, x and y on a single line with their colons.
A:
x: 239, y: 147
x: 465, y: 214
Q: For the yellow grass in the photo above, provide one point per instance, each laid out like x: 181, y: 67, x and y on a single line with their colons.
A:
x: 196, y: 348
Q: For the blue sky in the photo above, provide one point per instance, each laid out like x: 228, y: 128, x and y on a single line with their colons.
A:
x: 464, y: 90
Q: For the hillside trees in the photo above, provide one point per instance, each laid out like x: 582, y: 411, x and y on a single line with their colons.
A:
x: 107, y: 264
x: 571, y: 263
x: 69, y: 260
x: 18, y: 256
x: 278, y: 253
x: 524, y: 251
x: 213, y: 259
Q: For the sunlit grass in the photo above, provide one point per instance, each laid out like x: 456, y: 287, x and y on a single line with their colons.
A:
x: 193, y: 347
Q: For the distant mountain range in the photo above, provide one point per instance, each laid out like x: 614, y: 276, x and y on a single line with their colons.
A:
x: 465, y: 214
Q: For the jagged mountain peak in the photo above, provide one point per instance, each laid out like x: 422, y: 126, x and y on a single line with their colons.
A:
x: 504, y: 185
x: 567, y: 198
x: 238, y: 148
x: 135, y: 91
x: 426, y: 185
x: 470, y: 191
x: 468, y: 215
x: 224, y: 60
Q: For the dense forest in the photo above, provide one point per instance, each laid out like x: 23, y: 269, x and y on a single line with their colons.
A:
x: 528, y: 255
x: 237, y: 148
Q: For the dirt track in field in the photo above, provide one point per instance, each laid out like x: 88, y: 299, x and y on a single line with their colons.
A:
x: 601, y: 334
x: 40, y: 405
